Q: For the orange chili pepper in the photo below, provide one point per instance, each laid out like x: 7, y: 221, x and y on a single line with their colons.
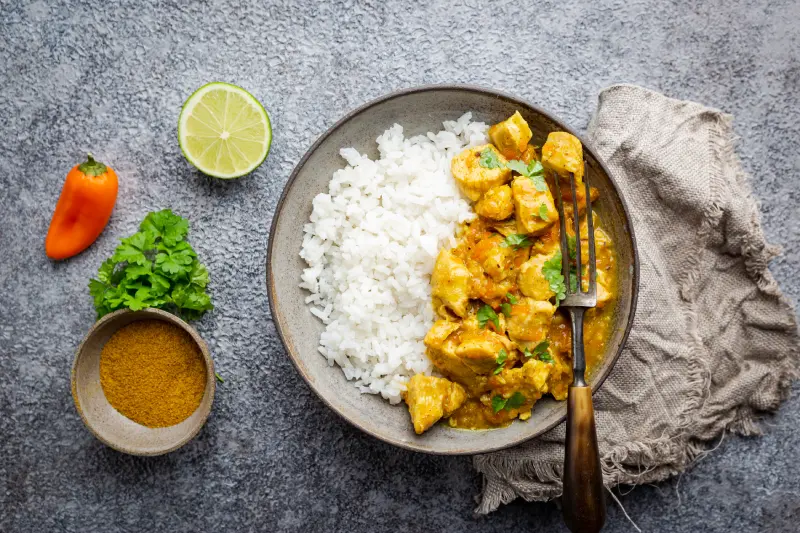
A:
x: 83, y: 209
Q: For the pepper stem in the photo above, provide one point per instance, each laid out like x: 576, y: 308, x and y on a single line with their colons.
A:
x: 92, y: 167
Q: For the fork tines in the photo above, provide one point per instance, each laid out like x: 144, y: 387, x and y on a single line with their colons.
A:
x: 577, y: 297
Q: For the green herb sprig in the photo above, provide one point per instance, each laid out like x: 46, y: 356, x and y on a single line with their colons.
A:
x: 502, y: 357
x: 533, y: 170
x: 154, y: 267
x: 539, y: 352
x: 486, y: 314
x: 516, y: 240
x: 514, y: 402
x: 543, y: 213
x: 551, y: 270
x: 572, y: 246
x: 489, y: 159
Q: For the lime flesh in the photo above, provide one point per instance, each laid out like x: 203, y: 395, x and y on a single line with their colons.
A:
x: 224, y: 131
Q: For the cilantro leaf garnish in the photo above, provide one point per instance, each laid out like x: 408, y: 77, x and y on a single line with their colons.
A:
x: 501, y: 360
x: 511, y: 298
x: 572, y: 246
x: 517, y: 240
x: 489, y: 159
x: 551, y: 270
x: 518, y: 166
x: 533, y: 170
x: 540, y: 352
x: 505, y: 307
x: 573, y: 280
x: 516, y: 401
x: 154, y: 267
x: 486, y: 314
x: 543, y: 213
x: 539, y: 183
x: 498, y: 403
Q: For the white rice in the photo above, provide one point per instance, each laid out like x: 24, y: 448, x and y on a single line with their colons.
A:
x: 371, y: 246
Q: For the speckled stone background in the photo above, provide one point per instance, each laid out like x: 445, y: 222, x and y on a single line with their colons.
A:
x: 110, y: 77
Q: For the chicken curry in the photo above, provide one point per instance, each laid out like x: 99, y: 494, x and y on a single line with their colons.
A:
x: 500, y: 342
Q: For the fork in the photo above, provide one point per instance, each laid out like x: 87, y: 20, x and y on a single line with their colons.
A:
x: 583, y: 503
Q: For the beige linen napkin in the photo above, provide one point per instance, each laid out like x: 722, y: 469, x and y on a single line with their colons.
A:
x: 714, y: 342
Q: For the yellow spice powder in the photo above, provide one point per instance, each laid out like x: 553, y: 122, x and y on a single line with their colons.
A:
x: 153, y: 373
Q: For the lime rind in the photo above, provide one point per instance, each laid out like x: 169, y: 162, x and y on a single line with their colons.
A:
x: 199, y: 125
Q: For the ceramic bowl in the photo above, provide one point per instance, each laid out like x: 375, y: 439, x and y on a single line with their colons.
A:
x: 105, y: 422
x: 420, y: 110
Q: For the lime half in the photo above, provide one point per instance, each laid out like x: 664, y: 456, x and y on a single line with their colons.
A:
x: 224, y: 131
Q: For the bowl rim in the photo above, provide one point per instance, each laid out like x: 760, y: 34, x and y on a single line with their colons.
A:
x: 211, y: 385
x: 596, y: 385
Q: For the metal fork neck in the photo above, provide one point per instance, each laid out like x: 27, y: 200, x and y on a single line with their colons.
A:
x: 578, y: 354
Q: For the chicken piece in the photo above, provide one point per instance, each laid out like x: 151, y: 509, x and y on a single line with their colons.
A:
x: 453, y: 367
x: 529, y: 381
x: 442, y: 341
x: 549, y: 242
x: 480, y: 349
x: 530, y: 320
x: 482, y: 285
x: 474, y: 179
x: 560, y: 377
x: 507, y: 227
x: 496, y: 203
x: 430, y: 398
x: 450, y: 283
x: 437, y: 335
x: 528, y: 204
x: 493, y: 257
x: 563, y: 154
x: 604, y: 294
x: 602, y: 242
x: 580, y: 193
x: 531, y: 280
x: 529, y: 154
x: 471, y: 323
x: 603, y: 255
x: 511, y: 136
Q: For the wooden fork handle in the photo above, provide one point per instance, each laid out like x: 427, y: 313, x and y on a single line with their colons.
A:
x: 583, y: 501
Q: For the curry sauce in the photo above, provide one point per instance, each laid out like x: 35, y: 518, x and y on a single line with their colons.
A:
x: 500, y: 342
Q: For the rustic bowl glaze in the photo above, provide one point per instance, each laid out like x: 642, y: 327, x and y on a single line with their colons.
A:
x: 420, y: 110
x: 105, y: 422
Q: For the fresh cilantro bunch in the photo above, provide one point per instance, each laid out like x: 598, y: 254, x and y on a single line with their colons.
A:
x: 154, y: 267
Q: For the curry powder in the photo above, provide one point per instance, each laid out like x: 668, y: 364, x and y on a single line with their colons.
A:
x: 153, y: 373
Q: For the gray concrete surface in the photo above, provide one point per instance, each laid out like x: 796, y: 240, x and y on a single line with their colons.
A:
x: 110, y: 77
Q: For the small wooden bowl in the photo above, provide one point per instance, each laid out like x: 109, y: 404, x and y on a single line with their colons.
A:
x: 105, y: 422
